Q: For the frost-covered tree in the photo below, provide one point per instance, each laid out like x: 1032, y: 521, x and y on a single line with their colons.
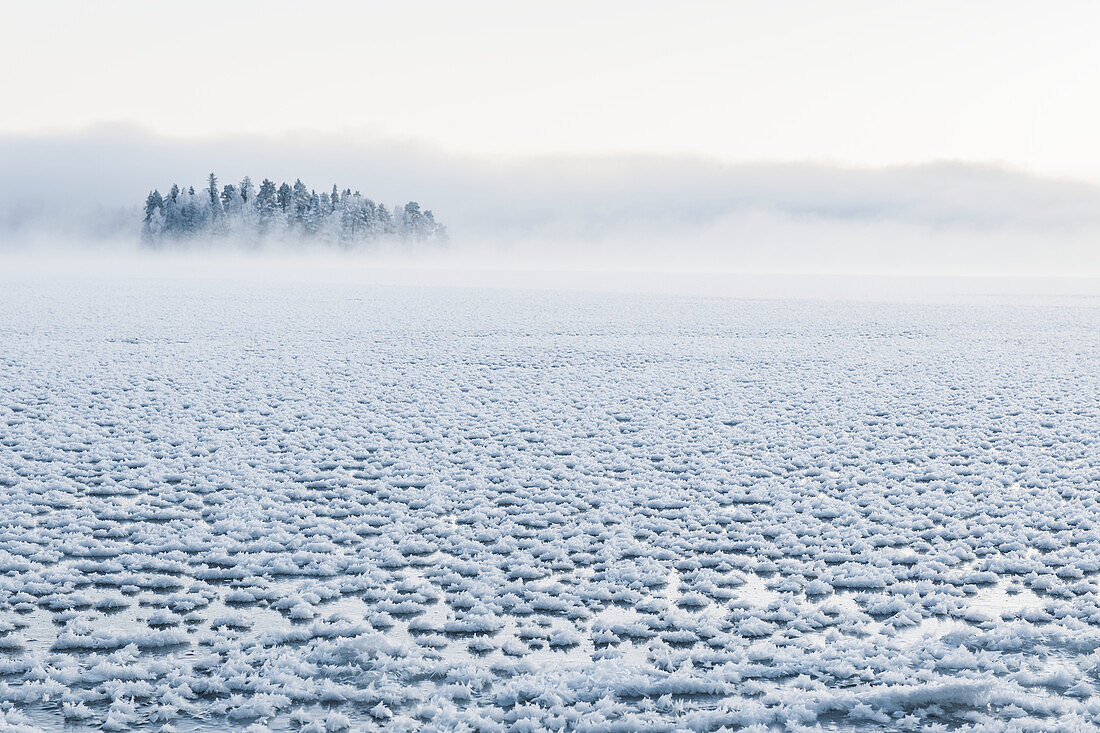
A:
x: 192, y: 213
x: 173, y: 214
x: 229, y: 198
x: 153, y: 223
x: 410, y: 219
x: 385, y: 224
x: 313, y: 214
x: 153, y: 203
x: 246, y: 190
x: 266, y: 207
x: 285, y: 193
x: 212, y: 206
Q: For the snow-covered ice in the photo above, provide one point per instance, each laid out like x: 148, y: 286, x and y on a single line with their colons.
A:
x: 302, y: 507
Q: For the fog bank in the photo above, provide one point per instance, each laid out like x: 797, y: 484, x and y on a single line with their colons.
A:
x: 641, y: 213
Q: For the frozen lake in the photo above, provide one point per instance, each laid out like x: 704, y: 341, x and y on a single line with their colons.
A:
x: 313, y: 507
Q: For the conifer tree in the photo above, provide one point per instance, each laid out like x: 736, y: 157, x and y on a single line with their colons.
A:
x: 284, y: 196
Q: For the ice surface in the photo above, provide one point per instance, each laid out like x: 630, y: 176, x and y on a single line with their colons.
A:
x: 319, y: 508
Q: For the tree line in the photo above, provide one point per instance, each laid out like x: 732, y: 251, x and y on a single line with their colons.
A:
x: 282, y: 212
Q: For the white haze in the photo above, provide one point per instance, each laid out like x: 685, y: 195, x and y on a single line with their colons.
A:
x: 79, y: 195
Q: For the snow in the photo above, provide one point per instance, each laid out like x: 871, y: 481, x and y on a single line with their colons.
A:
x: 360, y: 507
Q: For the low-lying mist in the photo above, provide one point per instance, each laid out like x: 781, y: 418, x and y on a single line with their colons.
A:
x: 77, y: 198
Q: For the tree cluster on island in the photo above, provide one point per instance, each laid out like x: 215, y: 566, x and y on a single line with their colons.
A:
x: 283, y: 212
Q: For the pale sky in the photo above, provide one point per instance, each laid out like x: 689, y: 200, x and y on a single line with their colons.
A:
x: 856, y: 83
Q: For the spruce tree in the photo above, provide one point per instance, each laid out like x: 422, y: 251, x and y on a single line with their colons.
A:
x: 284, y: 196
x: 154, y: 202
x: 215, y: 203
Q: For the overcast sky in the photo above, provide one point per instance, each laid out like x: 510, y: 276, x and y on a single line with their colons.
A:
x: 976, y: 116
x: 867, y: 82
